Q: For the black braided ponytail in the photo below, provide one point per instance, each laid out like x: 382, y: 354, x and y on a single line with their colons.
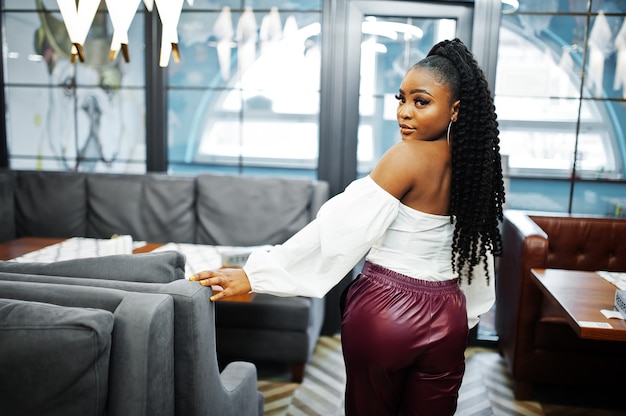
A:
x: 477, y: 190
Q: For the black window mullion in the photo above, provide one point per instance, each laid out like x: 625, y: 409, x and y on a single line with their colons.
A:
x: 336, y: 166
x: 4, y: 148
x: 156, y: 97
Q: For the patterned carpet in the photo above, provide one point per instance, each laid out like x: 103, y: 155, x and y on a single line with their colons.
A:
x: 486, y: 389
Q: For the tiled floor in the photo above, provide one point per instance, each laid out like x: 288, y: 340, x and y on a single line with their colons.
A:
x: 486, y: 390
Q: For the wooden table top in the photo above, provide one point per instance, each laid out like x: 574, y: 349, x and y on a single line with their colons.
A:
x: 581, y: 296
x: 20, y: 246
x: 23, y: 245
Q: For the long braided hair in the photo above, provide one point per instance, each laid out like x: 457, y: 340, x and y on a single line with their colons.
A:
x: 477, y: 189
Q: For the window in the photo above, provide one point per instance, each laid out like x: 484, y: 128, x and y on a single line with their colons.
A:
x: 245, y: 96
x: 562, y: 127
x: 70, y: 116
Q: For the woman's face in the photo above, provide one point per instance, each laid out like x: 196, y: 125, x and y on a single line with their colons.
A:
x: 424, y: 106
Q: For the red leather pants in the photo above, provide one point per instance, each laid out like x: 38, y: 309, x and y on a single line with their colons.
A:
x: 403, y: 342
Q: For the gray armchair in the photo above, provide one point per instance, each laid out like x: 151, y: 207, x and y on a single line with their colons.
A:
x: 72, y: 350
x: 200, y: 388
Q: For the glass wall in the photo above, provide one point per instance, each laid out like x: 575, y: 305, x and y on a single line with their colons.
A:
x: 71, y: 116
x: 560, y: 100
x: 245, y: 97
x: 248, y: 96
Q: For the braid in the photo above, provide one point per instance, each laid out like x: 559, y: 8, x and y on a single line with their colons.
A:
x: 477, y: 189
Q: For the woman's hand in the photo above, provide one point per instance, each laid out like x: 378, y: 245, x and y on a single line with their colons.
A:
x: 233, y: 281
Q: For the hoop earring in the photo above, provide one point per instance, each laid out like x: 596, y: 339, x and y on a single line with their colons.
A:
x: 448, y: 134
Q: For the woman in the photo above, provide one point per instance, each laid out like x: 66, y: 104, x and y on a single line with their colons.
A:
x: 426, y: 218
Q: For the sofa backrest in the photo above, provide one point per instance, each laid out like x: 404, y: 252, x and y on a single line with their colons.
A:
x: 157, y: 267
x: 7, y: 205
x: 50, y: 204
x: 141, y: 367
x: 158, y: 208
x: 243, y: 210
x: 152, y: 207
x: 584, y: 243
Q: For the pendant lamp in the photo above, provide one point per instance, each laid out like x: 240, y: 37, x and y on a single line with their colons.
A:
x: 78, y: 19
x: 121, y: 13
x: 78, y: 16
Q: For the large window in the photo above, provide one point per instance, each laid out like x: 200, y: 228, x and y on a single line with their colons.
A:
x: 270, y: 87
x: 71, y: 116
x: 246, y: 95
x: 560, y: 101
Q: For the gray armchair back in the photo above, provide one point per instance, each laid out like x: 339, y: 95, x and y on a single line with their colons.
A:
x: 138, y: 375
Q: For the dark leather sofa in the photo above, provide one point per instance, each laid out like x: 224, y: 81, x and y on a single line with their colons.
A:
x: 538, y: 345
x: 205, y: 209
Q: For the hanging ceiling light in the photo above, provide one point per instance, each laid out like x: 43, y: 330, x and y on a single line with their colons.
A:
x: 121, y: 14
x: 509, y: 6
x: 78, y: 17
x: 169, y: 13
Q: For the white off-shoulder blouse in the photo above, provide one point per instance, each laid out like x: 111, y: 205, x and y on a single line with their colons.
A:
x: 365, y: 220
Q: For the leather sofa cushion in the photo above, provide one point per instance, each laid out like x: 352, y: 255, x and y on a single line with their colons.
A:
x: 54, y: 360
x: 154, y: 208
x: 159, y: 267
x: 247, y: 211
x: 50, y: 204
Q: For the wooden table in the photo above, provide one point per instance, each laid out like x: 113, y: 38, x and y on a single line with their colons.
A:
x: 20, y: 246
x: 581, y: 296
x: 24, y: 245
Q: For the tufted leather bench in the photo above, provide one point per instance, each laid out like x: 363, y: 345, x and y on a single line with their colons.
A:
x: 536, y: 342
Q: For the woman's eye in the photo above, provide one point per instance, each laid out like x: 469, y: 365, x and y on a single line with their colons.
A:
x: 400, y: 98
x: 420, y: 102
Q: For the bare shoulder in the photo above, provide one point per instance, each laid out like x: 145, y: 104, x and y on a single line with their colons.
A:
x: 413, y: 156
x: 403, y: 165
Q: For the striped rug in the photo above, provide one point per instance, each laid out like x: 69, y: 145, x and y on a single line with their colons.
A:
x: 486, y: 388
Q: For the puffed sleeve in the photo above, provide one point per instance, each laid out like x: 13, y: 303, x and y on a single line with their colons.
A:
x: 317, y: 257
x: 480, y: 294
